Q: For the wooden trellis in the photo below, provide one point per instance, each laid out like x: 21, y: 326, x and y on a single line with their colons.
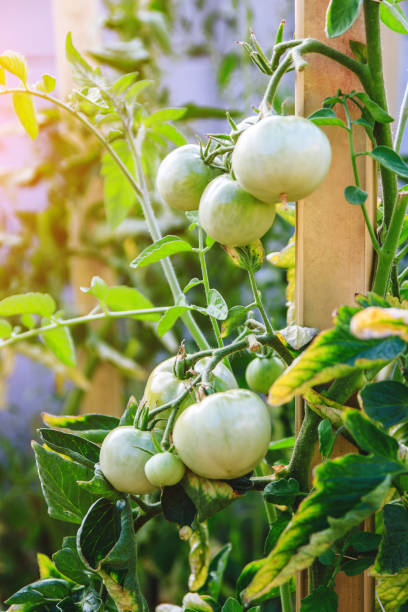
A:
x: 334, y: 253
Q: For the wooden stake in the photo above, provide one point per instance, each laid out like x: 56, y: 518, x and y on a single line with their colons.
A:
x: 334, y: 255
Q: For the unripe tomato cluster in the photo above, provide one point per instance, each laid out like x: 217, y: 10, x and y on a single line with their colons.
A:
x: 275, y: 158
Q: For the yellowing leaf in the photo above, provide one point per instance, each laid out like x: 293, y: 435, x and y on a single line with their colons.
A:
x: 15, y: 63
x: 2, y: 76
x: 290, y: 295
x: 375, y: 322
x: 284, y: 258
x: 199, y: 556
x: 287, y: 212
x: 24, y: 107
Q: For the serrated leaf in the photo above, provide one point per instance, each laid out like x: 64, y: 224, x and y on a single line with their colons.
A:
x: 169, y: 319
x: 232, y: 605
x: 393, y: 553
x: 193, y: 283
x: 333, y: 354
x: 123, y: 83
x: 355, y: 195
x: 119, y: 195
x: 67, y: 561
x: 164, y: 114
x: 93, y: 427
x: 83, y: 72
x: 5, y: 329
x: 99, y: 486
x: 282, y: 492
x: 385, y: 401
x: 326, y: 437
x: 47, y: 568
x: 169, y: 245
x: 59, y: 341
x: 27, y: 303
x: 393, y: 16
x: 75, y: 447
x: 364, y: 541
x: 208, y: 496
x: 390, y: 159
x: 375, y: 110
x: 392, y: 591
x: 121, y: 297
x: 177, y: 506
x: 277, y: 527
x: 322, y: 598
x: 46, y: 84
x: 65, y: 499
x: 236, y: 316
x: 16, y: 64
x: 341, y: 14
x: 24, y: 108
x: 376, y: 322
x: 199, y: 556
x: 284, y: 258
x: 134, y: 91
x: 40, y: 592
x: 217, y: 306
x: 347, y: 490
x: 368, y: 436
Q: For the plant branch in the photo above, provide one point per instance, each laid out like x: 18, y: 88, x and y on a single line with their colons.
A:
x: 206, y: 283
x: 402, y: 121
x: 258, y: 301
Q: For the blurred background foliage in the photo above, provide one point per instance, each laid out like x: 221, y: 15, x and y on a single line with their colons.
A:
x: 147, y: 37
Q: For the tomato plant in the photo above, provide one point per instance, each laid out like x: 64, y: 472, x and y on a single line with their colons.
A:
x: 95, y: 469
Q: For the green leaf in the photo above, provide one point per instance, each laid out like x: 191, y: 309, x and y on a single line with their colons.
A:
x: 332, y: 354
x: 393, y: 16
x: 375, y: 110
x: 46, y: 84
x: 121, y: 297
x: 364, y: 541
x: 28, y: 320
x: 123, y: 55
x: 123, y: 83
x: 94, y: 427
x: 171, y: 133
x: 99, y: 486
x: 84, y: 74
x: 134, y: 91
x: 250, y: 257
x: 169, y: 319
x: 47, y: 568
x: 232, y: 605
x: 208, y: 496
x: 283, y: 444
x: 326, y: 437
x: 359, y: 50
x: 27, y: 303
x: 323, y: 599
x: 59, y: 341
x: 67, y: 561
x: 199, y: 556
x: 16, y: 64
x: 128, y: 415
x: 326, y: 116
x: 236, y: 316
x: 107, y: 544
x: 356, y: 566
x: 229, y: 63
x: 275, y: 531
x: 169, y: 245
x: 346, y: 491
x: 177, y: 506
x: 393, y: 552
x: 75, y: 447
x: 65, y: 499
x: 282, y: 492
x: 217, y: 306
x: 247, y: 575
x: 119, y: 195
x: 392, y: 590
x: 368, y: 436
x: 388, y: 158
x: 355, y: 195
x: 164, y: 114
x: 40, y: 592
x: 216, y: 571
x: 5, y: 329
x: 341, y: 14
x: 193, y: 283
x: 385, y: 401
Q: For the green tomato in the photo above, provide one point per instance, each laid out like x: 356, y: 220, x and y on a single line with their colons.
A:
x: 262, y: 372
x: 183, y: 176
x: 164, y: 469
x: 224, y: 436
x: 122, y: 459
x: 163, y: 386
x: 281, y: 155
x: 231, y: 215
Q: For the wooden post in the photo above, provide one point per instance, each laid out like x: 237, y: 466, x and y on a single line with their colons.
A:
x: 80, y: 18
x: 334, y: 254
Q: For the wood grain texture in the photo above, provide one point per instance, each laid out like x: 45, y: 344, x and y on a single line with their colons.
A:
x: 333, y: 250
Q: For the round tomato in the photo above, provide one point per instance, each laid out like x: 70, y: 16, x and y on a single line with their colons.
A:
x: 183, y: 176
x: 281, y: 156
x: 164, y: 469
x: 262, y: 372
x: 163, y: 386
x: 224, y: 436
x: 122, y: 459
x: 231, y: 215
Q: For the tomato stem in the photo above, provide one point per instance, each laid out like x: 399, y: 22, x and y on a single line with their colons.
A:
x: 206, y: 283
